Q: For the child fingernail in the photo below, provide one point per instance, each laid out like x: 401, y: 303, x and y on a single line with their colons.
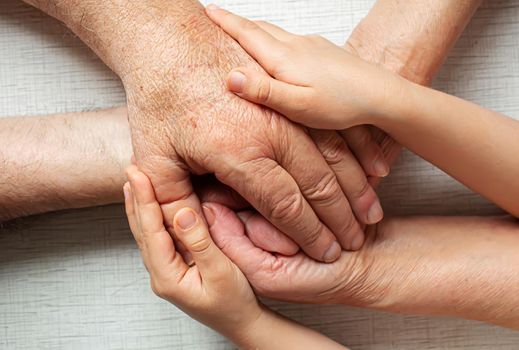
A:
x: 375, y: 213
x: 236, y: 81
x: 210, y: 217
x: 381, y: 168
x: 212, y: 7
x: 186, y: 218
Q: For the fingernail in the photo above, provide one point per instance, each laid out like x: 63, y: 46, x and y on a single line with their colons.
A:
x: 126, y: 190
x: 186, y: 218
x: 381, y: 167
x: 212, y: 7
x: 375, y: 213
x: 333, y: 253
x: 357, y: 242
x: 236, y: 81
x: 210, y: 217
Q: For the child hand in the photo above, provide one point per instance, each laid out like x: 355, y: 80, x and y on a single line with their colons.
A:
x: 213, y: 290
x: 311, y: 81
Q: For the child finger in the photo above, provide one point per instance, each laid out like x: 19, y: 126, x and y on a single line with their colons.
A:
x: 194, y: 234
x: 261, y: 88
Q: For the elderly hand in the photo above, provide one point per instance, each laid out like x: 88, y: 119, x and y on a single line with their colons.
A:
x: 183, y: 121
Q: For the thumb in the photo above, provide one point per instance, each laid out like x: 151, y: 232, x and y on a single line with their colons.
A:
x: 192, y: 231
x: 261, y: 88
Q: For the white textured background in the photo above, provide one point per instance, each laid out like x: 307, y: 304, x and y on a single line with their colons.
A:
x: 74, y: 280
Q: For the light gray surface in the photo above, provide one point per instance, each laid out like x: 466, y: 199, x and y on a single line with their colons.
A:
x: 74, y: 280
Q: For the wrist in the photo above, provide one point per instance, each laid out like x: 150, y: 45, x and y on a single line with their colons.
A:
x: 255, y: 332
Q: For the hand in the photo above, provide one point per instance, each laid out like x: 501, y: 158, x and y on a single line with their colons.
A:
x: 313, y: 81
x: 181, y: 127
x: 356, y: 278
x: 213, y: 290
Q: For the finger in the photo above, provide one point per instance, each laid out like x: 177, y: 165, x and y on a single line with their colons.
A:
x: 150, y: 215
x: 266, y: 236
x: 257, y: 42
x: 276, y: 195
x: 194, y: 234
x: 352, y: 180
x: 261, y: 88
x: 275, y: 31
x: 366, y: 150
x: 321, y: 188
x: 157, y: 245
x: 229, y: 235
x: 131, y: 214
x: 171, y: 181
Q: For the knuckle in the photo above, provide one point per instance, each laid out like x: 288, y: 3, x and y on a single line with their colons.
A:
x: 158, y: 289
x: 360, y: 190
x: 333, y: 148
x: 325, y: 189
x: 288, y: 208
x: 311, y: 238
x: 263, y: 90
x: 249, y: 25
x: 200, y: 244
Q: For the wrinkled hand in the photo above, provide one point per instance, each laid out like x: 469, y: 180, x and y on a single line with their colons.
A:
x: 355, y: 278
x: 183, y: 121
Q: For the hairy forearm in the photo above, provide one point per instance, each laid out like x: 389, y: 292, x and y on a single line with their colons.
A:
x: 128, y: 35
x: 411, y: 38
x: 62, y: 161
x: 460, y: 266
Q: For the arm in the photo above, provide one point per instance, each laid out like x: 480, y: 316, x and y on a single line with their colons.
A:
x: 63, y: 161
x: 451, y: 266
x: 213, y: 290
x: 410, y: 38
x: 476, y: 146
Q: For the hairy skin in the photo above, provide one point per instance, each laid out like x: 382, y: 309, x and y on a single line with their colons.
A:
x: 65, y: 161
x: 173, y: 62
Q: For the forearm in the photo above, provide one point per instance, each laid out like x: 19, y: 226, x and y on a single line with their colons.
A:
x: 459, y: 266
x: 476, y: 146
x: 62, y: 161
x: 273, y: 331
x: 124, y: 33
x: 411, y: 38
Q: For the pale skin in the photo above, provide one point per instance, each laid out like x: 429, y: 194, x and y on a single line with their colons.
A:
x: 376, y: 273
x: 351, y: 92
x: 212, y: 290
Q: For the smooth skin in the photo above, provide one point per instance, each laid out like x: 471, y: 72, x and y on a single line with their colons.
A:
x: 212, y: 290
x: 349, y: 92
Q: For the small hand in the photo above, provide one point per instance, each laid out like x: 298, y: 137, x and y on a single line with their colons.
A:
x: 213, y: 291
x: 311, y: 81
